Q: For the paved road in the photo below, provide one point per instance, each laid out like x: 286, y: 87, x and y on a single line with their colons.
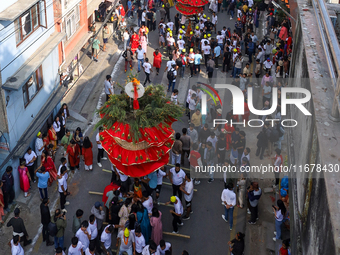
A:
x: 209, y: 233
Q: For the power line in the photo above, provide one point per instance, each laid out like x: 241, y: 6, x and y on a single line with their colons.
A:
x: 51, y: 26
x: 26, y: 22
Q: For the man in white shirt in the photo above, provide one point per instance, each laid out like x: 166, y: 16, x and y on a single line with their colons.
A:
x: 206, y: 50
x: 176, y: 175
x: 16, y: 246
x: 177, y: 213
x: 169, y: 64
x: 213, y: 139
x: 147, y: 70
x: 108, y: 87
x: 91, y: 249
x: 172, y: 82
x: 151, y: 249
x: 160, y: 175
x: 180, y: 43
x: 30, y: 157
x: 139, y: 240
x: 39, y: 147
x: 214, y: 20
x: 147, y: 202
x: 127, y: 241
x: 93, y: 229
x: 188, y: 190
x: 228, y: 197
x: 143, y: 17
x: 163, y: 247
x: 170, y: 25
x: 174, y: 95
x: 84, y: 234
x: 62, y: 189
x: 192, y: 104
x: 123, y: 179
x: 59, y: 251
x: 100, y: 154
x: 105, y: 239
x: 75, y: 247
x: 140, y: 54
x: 170, y: 44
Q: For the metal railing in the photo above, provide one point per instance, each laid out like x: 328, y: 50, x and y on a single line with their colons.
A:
x: 332, y: 51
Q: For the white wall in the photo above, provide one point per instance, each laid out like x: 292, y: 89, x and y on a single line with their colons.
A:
x: 19, y: 117
x: 9, y: 50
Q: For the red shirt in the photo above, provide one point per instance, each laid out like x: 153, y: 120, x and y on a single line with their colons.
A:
x: 283, y: 251
x: 194, y: 156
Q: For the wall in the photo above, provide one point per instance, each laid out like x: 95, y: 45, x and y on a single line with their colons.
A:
x: 19, y: 117
x: 9, y: 50
x: 314, y: 200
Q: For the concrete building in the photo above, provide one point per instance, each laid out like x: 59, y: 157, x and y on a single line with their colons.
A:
x: 29, y: 70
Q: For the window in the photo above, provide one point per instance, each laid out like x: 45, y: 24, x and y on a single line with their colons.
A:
x: 32, y: 86
x: 31, y: 20
x: 72, y: 22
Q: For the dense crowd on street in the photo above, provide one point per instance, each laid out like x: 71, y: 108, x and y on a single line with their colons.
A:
x: 130, y: 205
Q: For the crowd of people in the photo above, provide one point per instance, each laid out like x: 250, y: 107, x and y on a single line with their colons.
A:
x: 131, y: 207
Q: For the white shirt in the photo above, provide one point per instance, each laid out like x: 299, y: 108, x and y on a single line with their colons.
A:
x: 174, y: 99
x: 169, y: 64
x: 143, y: 16
x: 38, y: 144
x: 268, y: 64
x: 83, y: 237
x: 180, y: 44
x: 175, y: 74
x: 171, y: 41
x: 122, y: 176
x: 167, y: 248
x: 126, y: 36
x: 160, y: 176
x: 140, y: 53
x: 201, y: 24
x: 178, y: 206
x: 108, y: 86
x: 214, y: 19
x: 170, y: 25
x: 223, y: 32
x: 148, y: 204
x: 16, y: 250
x: 62, y: 182
x: 106, y: 238
x: 279, y: 216
x: 239, y: 13
x: 177, y: 178
x: 245, y: 156
x: 229, y: 197
x: 198, y: 32
x: 147, y: 67
x: 76, y: 250
x: 146, y: 251
x: 29, y: 157
x: 94, y: 229
x: 140, y: 243
x: 190, y: 92
x: 56, y: 126
x: 250, y: 3
x: 213, y: 141
x: 59, y: 170
x: 206, y: 49
x: 219, y: 38
x: 87, y: 252
x: 189, y: 187
x: 192, y: 104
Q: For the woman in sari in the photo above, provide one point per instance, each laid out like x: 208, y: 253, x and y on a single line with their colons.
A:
x: 25, y: 178
x: 46, y: 141
x: 134, y: 42
x: 52, y: 135
x: 87, y: 154
x: 144, y: 221
x: 73, y: 153
x: 124, y: 213
x: 144, y: 42
x: 47, y: 162
x: 157, y: 60
x: 157, y: 226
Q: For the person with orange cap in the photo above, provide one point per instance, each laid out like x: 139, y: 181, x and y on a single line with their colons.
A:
x: 177, y: 213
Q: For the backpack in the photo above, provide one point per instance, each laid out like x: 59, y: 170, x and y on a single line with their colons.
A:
x: 52, y: 229
x: 179, y: 62
x: 274, y: 135
x: 171, y: 75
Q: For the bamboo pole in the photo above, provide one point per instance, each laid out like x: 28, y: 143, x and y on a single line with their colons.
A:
x: 174, y: 234
x: 96, y: 193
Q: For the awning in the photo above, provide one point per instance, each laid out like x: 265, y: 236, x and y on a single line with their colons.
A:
x: 92, y: 6
x: 82, y: 41
x: 16, y: 81
x: 16, y: 9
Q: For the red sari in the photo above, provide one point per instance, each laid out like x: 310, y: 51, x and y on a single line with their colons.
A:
x: 73, y: 155
x: 88, y: 155
x: 24, y: 180
x: 47, y: 142
x: 157, y: 60
x: 50, y: 167
x: 134, y: 43
x: 229, y: 130
x: 52, y: 135
x: 246, y: 114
